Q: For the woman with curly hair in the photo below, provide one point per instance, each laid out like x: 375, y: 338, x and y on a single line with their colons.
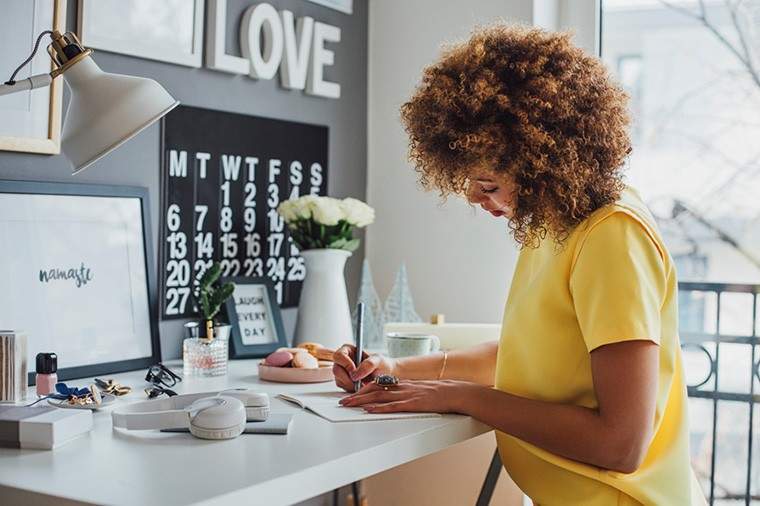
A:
x: 586, y: 386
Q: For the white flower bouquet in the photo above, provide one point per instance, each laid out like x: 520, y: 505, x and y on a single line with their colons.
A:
x: 324, y: 222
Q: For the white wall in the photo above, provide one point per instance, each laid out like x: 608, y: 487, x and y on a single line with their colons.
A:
x: 460, y: 260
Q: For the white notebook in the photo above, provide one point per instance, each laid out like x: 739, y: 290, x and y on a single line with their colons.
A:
x: 325, y: 404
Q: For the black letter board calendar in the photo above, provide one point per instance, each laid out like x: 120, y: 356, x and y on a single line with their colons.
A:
x: 222, y: 177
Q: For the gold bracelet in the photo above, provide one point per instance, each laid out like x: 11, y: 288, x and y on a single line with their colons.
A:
x: 443, y: 366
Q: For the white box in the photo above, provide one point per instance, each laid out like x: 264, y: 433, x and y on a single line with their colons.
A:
x: 41, y: 428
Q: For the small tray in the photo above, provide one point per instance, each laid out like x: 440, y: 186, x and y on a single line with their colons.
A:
x: 108, y: 399
x: 295, y: 375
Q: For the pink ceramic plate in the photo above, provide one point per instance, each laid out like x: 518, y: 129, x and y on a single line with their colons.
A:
x: 295, y: 375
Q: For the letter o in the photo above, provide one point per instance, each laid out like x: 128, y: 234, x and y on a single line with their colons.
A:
x: 264, y: 64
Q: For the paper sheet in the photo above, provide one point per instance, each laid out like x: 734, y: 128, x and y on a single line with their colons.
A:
x: 325, y: 404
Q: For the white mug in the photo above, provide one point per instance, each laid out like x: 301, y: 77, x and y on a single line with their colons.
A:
x: 405, y: 344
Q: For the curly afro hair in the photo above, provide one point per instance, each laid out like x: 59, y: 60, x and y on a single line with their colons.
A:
x: 527, y: 104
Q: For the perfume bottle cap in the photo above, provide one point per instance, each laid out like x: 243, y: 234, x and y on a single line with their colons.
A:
x: 47, y: 363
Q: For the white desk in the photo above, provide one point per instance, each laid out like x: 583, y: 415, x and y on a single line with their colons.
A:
x: 148, y: 467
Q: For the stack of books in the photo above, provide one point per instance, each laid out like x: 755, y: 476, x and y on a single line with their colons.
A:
x: 13, y: 378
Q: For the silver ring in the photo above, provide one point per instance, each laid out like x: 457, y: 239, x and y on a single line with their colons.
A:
x: 386, y: 381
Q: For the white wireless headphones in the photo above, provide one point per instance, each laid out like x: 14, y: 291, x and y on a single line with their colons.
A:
x: 209, y: 415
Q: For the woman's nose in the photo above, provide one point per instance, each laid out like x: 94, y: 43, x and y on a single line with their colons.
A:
x: 473, y: 197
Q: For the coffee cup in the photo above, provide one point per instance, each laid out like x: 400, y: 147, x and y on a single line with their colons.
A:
x: 404, y: 344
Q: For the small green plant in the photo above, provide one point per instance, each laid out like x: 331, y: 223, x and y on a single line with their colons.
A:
x: 211, y: 295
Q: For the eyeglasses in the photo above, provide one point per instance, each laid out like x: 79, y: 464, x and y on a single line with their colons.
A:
x: 160, y: 375
x: 156, y: 391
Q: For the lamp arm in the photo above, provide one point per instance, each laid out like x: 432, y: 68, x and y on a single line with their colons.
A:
x: 30, y: 83
x: 31, y: 56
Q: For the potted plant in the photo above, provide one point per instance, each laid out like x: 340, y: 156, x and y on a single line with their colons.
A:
x: 208, y: 355
x: 322, y: 229
x: 210, y: 296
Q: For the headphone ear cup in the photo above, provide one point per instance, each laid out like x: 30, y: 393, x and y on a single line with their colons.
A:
x: 224, y: 420
x: 217, y: 434
x: 257, y: 413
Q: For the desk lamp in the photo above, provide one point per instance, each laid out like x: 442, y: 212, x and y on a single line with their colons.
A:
x: 105, y: 110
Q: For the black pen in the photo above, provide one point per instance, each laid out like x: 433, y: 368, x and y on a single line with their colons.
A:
x: 359, y: 339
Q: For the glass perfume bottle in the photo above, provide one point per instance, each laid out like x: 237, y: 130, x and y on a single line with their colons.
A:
x: 206, y: 357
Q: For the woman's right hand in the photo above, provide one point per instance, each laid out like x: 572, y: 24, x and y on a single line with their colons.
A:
x: 346, y: 372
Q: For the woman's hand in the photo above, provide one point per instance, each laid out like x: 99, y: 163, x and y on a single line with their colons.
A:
x: 421, y: 396
x: 346, y: 372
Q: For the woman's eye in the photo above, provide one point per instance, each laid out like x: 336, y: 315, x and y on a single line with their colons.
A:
x: 489, y: 190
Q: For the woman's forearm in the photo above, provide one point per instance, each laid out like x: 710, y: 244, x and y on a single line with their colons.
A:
x: 573, y: 432
x: 476, y: 364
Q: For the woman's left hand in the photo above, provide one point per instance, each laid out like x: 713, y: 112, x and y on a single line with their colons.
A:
x: 407, y: 395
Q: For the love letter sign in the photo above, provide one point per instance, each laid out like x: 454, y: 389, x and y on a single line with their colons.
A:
x: 272, y: 41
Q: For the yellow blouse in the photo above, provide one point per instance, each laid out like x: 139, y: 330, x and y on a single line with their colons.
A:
x: 611, y: 281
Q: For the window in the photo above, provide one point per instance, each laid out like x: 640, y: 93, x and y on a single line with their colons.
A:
x: 696, y: 125
x: 692, y: 70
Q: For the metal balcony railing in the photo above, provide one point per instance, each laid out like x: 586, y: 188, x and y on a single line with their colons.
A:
x: 709, y: 385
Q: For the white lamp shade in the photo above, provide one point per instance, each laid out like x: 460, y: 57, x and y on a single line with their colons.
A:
x: 105, y: 110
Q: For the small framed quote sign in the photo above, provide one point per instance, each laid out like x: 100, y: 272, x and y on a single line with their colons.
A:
x: 255, y: 318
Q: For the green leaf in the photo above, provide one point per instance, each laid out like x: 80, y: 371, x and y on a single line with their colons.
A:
x: 205, y: 305
x: 337, y: 244
x: 211, y: 298
x: 210, y: 276
x: 352, y: 245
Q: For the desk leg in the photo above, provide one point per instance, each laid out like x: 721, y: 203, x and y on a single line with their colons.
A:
x: 352, y: 500
x: 355, y: 499
x: 489, y: 485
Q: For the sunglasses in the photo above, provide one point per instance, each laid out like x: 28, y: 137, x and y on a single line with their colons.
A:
x: 157, y: 391
x: 161, y: 376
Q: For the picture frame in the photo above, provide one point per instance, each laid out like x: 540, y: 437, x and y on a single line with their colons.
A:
x: 78, y: 275
x: 165, y: 30
x: 31, y: 119
x: 344, y: 6
x: 255, y: 318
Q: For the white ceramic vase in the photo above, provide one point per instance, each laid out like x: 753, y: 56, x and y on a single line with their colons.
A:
x: 323, y: 313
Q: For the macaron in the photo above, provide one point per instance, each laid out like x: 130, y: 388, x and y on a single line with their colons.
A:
x: 305, y: 360
x: 279, y: 359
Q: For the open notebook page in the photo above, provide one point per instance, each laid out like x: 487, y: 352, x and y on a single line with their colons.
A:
x: 325, y: 404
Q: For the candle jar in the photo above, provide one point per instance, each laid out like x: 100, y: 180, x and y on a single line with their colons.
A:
x: 206, y: 357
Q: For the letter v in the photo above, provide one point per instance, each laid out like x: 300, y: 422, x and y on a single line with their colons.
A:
x: 295, y: 58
